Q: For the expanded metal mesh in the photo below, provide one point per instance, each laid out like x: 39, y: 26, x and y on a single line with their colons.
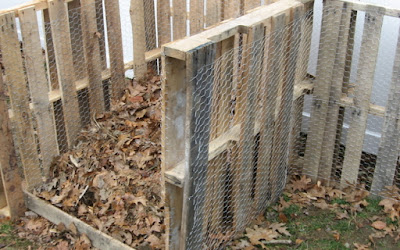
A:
x: 258, y: 116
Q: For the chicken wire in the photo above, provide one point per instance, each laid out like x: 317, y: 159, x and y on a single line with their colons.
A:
x: 343, y: 131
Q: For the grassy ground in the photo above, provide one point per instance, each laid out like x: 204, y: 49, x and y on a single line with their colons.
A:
x: 9, y: 238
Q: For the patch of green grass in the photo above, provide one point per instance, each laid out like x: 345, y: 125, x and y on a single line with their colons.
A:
x: 339, y: 201
x: 343, y: 226
x: 286, y: 197
x: 322, y: 244
x: 10, y: 240
x: 292, y: 209
x: 373, y: 206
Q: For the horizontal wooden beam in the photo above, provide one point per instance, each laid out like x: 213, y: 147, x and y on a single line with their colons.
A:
x: 360, y: 6
x: 151, y: 55
x: 98, y: 239
x: 37, y: 4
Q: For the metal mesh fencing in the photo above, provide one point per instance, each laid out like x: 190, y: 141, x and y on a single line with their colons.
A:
x: 257, y: 117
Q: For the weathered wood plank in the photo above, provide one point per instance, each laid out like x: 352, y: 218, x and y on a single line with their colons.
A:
x: 362, y: 6
x: 115, y: 48
x: 362, y: 96
x: 19, y: 99
x: 139, y: 38
x: 75, y: 30
x: 250, y: 4
x: 196, y: 15
x: 332, y: 117
x: 213, y: 12
x: 150, y: 24
x: 10, y: 189
x: 38, y: 85
x: 173, y: 140
x: 163, y: 22
x: 386, y: 161
x: 65, y: 68
x: 55, y: 215
x: 179, y: 19
x: 50, y: 53
x: 91, y: 48
x: 326, y: 61
x: 243, y: 181
x: 199, y: 92
x: 231, y: 9
x: 100, y: 28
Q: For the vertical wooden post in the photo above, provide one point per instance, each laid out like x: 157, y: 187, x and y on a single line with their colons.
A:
x: 38, y: 86
x: 362, y: 95
x: 100, y: 29
x: 196, y: 15
x: 91, y: 49
x: 179, y: 19
x: 173, y: 148
x: 10, y: 178
x: 329, y: 139
x: 199, y: 93
x: 139, y: 38
x: 65, y: 68
x: 163, y: 22
x: 115, y: 48
x: 19, y: 99
x: 326, y: 60
x: 75, y: 27
x: 231, y: 9
x: 150, y: 24
x: 386, y: 161
x: 251, y: 4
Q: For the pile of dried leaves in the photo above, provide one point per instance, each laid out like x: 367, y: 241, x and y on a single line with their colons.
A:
x: 111, y: 179
x: 345, y: 204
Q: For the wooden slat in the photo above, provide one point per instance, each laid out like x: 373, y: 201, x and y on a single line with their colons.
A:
x: 179, y: 19
x: 139, y: 38
x: 19, y: 99
x: 231, y: 9
x: 384, y: 10
x: 386, y: 161
x: 332, y: 117
x: 50, y: 53
x: 362, y: 96
x: 93, y: 56
x: 173, y: 147
x: 163, y: 22
x: 150, y: 24
x: 98, y: 239
x: 326, y: 61
x: 301, y: 74
x: 243, y: 171
x: 65, y: 68
x: 250, y: 4
x: 115, y: 48
x: 196, y: 15
x: 100, y: 28
x: 38, y: 85
x: 75, y: 27
x: 10, y: 189
x: 199, y: 92
x: 213, y: 10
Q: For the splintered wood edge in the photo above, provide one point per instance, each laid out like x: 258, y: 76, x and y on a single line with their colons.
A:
x: 98, y: 239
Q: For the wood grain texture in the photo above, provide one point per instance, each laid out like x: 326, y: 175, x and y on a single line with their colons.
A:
x: 326, y: 61
x: 139, y: 38
x: 196, y: 16
x: 386, y: 161
x: 179, y: 19
x: 332, y: 117
x: 115, y: 49
x: 199, y: 93
x: 38, y: 85
x: 10, y: 189
x: 91, y: 49
x: 213, y: 10
x: 19, y: 100
x: 362, y: 95
x: 65, y: 68
x: 163, y: 22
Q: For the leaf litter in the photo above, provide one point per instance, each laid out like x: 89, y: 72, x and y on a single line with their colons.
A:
x: 111, y: 179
